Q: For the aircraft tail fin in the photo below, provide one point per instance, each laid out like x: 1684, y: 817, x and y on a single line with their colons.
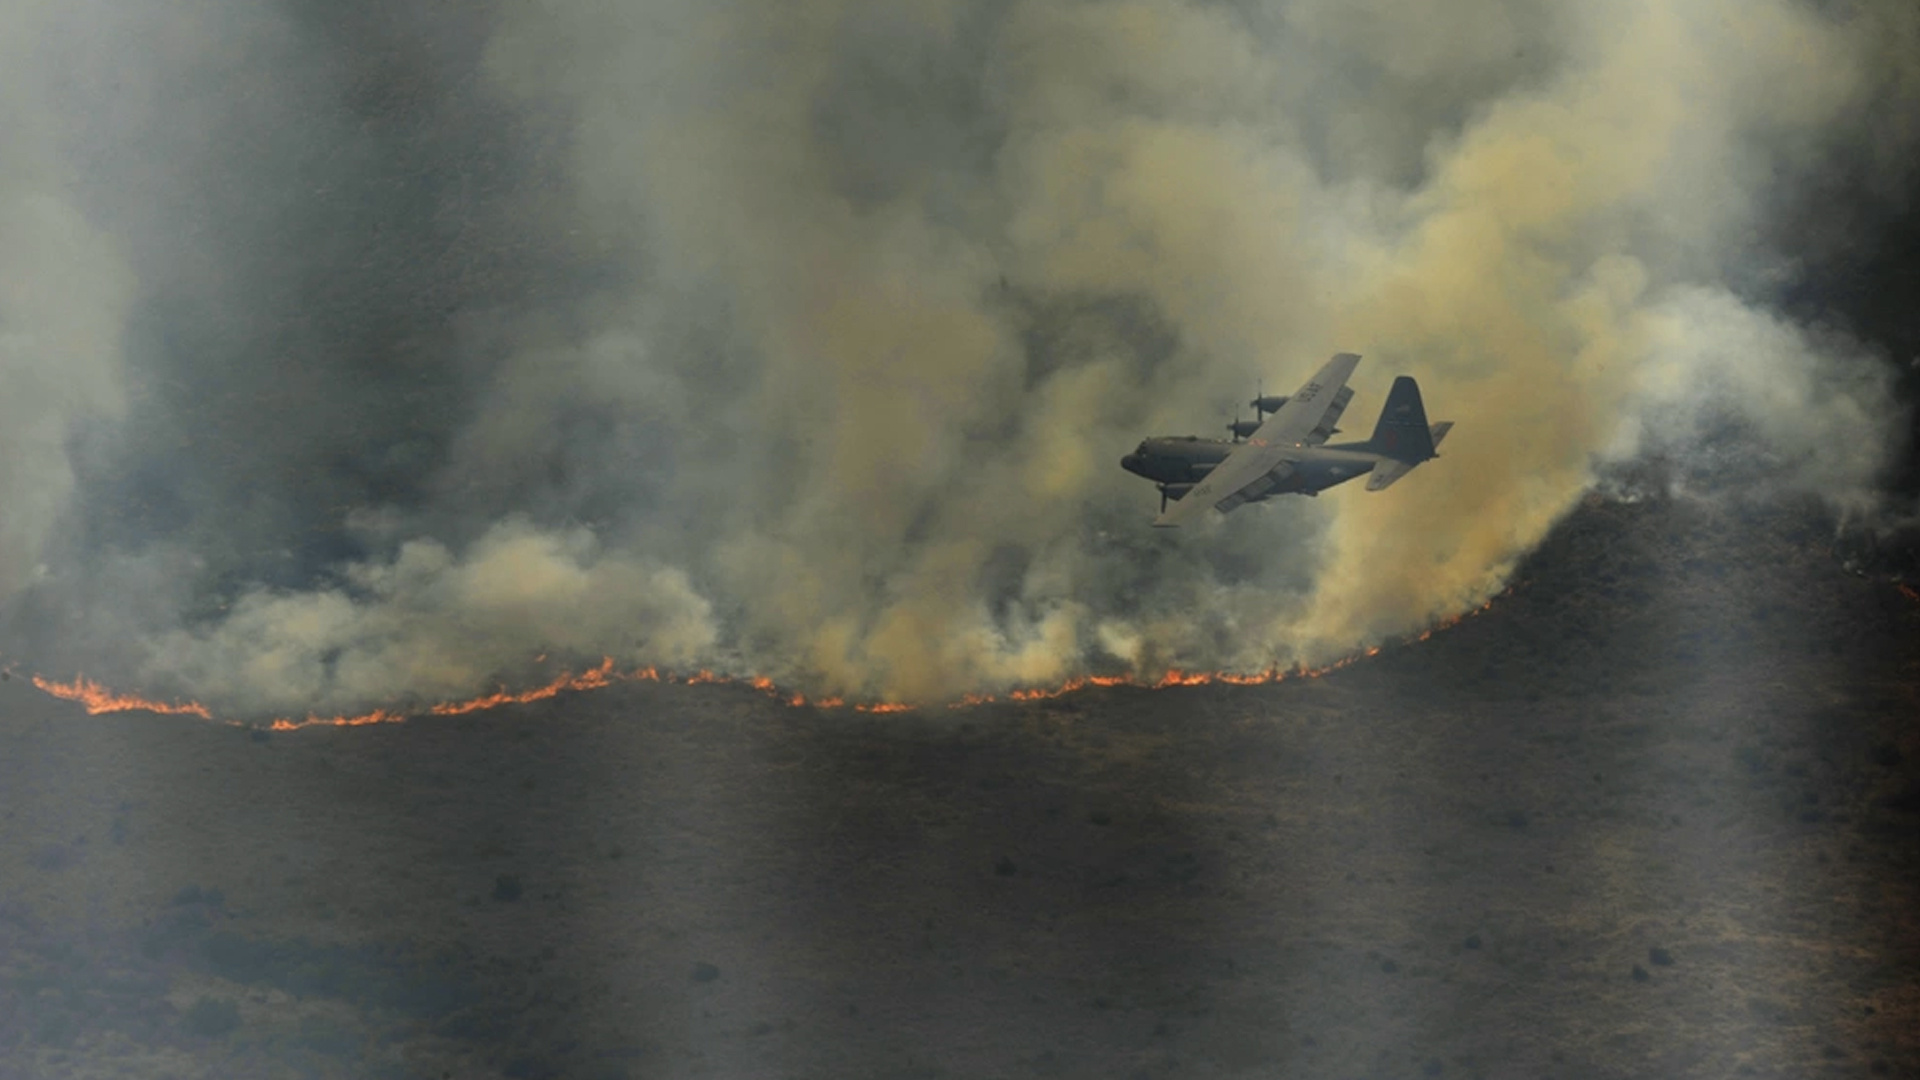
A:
x: 1402, y: 433
x: 1390, y: 470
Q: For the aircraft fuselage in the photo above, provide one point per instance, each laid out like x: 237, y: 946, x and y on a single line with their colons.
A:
x: 1176, y: 459
x: 1184, y: 459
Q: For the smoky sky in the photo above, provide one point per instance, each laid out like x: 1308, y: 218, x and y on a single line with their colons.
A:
x: 363, y: 353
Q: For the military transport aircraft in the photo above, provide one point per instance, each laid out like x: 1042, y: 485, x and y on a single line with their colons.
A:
x: 1287, y: 452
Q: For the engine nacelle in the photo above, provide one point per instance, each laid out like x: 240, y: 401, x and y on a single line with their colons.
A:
x: 1270, y: 403
x: 1243, y: 428
x: 1175, y: 492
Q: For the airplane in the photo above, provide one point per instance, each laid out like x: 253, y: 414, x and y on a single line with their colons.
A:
x: 1288, y: 453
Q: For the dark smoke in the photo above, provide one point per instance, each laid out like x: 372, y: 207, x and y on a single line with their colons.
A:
x: 364, y: 352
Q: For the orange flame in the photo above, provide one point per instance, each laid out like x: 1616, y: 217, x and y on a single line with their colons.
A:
x: 377, y: 716
x: 98, y: 699
x: 590, y: 679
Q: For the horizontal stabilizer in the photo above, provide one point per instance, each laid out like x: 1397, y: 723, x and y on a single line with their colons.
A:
x: 1385, y: 473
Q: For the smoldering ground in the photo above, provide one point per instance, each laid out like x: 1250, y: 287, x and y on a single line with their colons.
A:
x: 363, y: 353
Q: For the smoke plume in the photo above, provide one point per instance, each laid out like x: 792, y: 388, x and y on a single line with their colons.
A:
x: 64, y: 295
x: 382, y: 349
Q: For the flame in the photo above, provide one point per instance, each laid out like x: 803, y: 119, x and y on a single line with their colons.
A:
x: 377, y: 716
x: 99, y: 699
x: 591, y: 679
x: 1909, y: 592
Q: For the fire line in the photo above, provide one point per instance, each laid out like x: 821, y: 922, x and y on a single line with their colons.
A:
x: 97, y: 698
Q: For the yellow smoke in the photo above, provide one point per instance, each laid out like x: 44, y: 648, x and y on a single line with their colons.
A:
x: 1160, y: 150
x: 967, y: 254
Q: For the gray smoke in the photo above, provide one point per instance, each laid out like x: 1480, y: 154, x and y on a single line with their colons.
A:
x: 64, y: 296
x: 802, y: 339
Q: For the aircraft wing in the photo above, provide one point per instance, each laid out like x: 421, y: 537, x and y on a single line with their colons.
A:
x: 1268, y: 447
x: 1243, y: 467
x: 1330, y: 420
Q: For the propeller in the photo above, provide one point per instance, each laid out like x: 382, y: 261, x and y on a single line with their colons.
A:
x: 1264, y: 404
x: 1243, y: 429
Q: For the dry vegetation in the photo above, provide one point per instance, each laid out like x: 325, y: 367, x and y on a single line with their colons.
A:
x: 1651, y: 816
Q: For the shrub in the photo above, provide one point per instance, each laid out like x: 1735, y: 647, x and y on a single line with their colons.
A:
x: 51, y: 857
x: 57, y: 1030
x: 324, y: 1036
x: 213, y: 1018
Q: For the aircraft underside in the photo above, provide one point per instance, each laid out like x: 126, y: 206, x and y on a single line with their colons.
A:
x: 1288, y: 453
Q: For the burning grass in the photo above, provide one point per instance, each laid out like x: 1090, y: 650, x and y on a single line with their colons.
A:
x: 97, y: 698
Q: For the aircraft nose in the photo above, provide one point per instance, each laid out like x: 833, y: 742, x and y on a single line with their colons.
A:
x: 1131, y: 463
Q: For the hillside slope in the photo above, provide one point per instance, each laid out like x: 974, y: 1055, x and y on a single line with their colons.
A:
x: 1650, y: 815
